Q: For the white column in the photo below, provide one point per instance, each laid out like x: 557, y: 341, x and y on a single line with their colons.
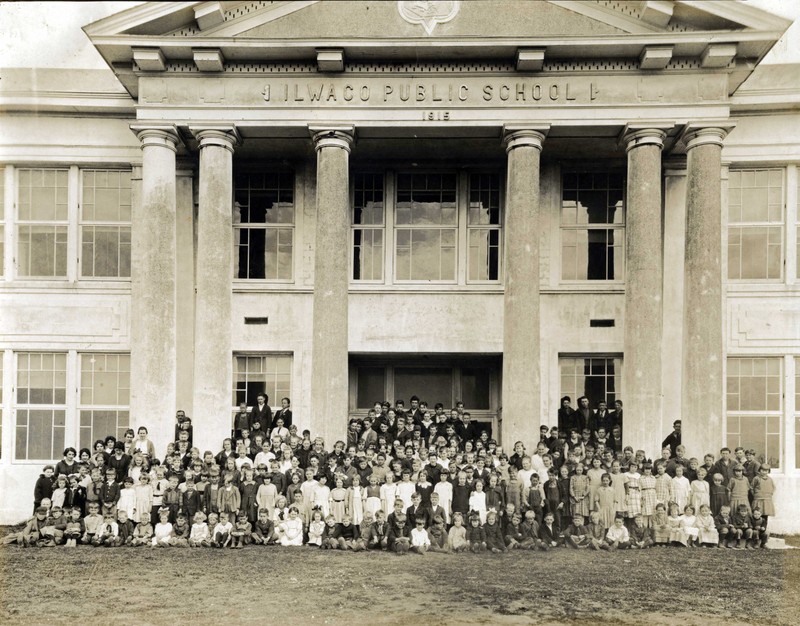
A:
x: 329, y: 371
x: 153, y: 320
x: 212, y: 350
x: 521, y: 394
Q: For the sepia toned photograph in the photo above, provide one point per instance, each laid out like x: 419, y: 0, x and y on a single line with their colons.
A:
x: 419, y: 312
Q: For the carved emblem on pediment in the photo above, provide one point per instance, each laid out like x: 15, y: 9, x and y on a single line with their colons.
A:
x: 428, y: 13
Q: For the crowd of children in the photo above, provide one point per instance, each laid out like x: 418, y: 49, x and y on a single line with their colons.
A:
x: 402, y: 481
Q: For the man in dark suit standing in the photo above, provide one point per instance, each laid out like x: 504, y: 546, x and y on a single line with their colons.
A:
x: 262, y: 413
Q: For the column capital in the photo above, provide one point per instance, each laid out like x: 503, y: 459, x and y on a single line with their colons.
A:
x: 706, y: 133
x: 516, y: 136
x: 223, y: 136
x: 160, y: 135
x: 652, y: 134
x: 333, y: 136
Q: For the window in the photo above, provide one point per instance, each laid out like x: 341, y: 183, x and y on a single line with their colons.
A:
x: 596, y: 377
x: 754, y: 393
x: 368, y: 227
x: 432, y: 384
x: 2, y: 220
x: 755, y: 224
x: 263, y: 222
x: 261, y: 373
x: 797, y: 411
x: 426, y: 225
x: 43, y: 223
x: 483, y: 228
x: 104, y: 397
x: 40, y: 405
x: 106, y: 224
x: 592, y: 226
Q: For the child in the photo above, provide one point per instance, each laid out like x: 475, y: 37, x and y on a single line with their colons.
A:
x: 514, y: 537
x: 457, y: 535
x: 60, y: 491
x: 127, y: 498
x: 514, y: 488
x: 647, y: 489
x: 388, y: 492
x: 681, y: 488
x: 406, y: 488
x: 373, y: 504
x: 290, y: 531
x: 739, y: 490
x: 377, y: 538
x: 758, y: 524
x: 618, y: 485
x: 143, y: 533
x: 617, y: 536
x: 596, y: 532
x: 535, y: 499
x: 707, y: 534
x: 700, y: 490
x: 633, y: 495
x: 37, y: 531
x: 159, y: 487
x: 172, y: 498
x: 143, y: 496
x: 660, y: 525
x: 180, y: 531
x: 663, y: 485
x: 641, y: 535
x: 399, y: 538
x: 222, y: 531
x: 74, y: 528
x: 718, y: 494
x: 689, y: 525
x: 362, y: 531
x: 355, y: 500
x: 676, y: 533
x: 126, y: 527
x: 552, y: 494
x: 763, y: 490
x: 727, y: 533
x: 92, y: 523
x: 741, y: 522
x: 438, y: 535
x: 267, y: 495
x: 109, y: 493
x: 228, y: 499
x: 247, y: 493
x: 477, y: 501
x: 198, y: 536
x: 192, y: 500
x: 346, y: 536
x: 461, y: 494
x: 281, y: 510
x: 43, y: 487
x: 322, y: 495
x: 240, y: 535
x: 264, y: 529
x: 494, y: 534
x: 420, y: 542
x: 337, y: 501
x: 476, y: 535
x: 549, y: 532
x: 108, y: 532
x: 604, y: 501
x: 576, y: 534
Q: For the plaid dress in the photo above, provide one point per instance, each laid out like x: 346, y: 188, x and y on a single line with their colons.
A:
x: 664, y: 489
x: 647, y: 490
x: 633, y: 499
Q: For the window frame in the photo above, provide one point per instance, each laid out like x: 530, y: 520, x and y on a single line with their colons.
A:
x: 753, y: 224
x: 95, y: 223
x: 249, y: 170
x: 92, y: 406
x: 274, y: 401
x: 618, y: 376
x: 462, y: 229
x: 620, y: 230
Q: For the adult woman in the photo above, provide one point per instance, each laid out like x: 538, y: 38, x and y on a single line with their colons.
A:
x: 68, y: 465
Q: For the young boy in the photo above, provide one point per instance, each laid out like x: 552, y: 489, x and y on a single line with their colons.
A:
x: 37, y: 532
x: 399, y: 537
x: 641, y: 536
x: 420, y: 542
x: 597, y: 532
x: 377, y: 538
x: 618, y: 536
x: 44, y: 486
x: 180, y: 531
x: 125, y: 526
x: 264, y: 529
x: 109, y: 493
x: 92, y: 523
x: 108, y: 533
x: 576, y: 534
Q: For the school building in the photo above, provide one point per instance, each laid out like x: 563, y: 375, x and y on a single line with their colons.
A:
x: 500, y: 202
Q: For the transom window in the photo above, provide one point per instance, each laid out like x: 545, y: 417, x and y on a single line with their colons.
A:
x: 755, y: 224
x: 592, y: 226
x: 263, y: 223
x: 437, y: 233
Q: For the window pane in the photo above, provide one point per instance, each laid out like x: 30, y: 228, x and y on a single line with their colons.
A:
x: 371, y: 386
x: 106, y: 196
x: 41, y: 378
x: 754, y: 384
x: 426, y: 199
x: 484, y: 254
x: 106, y: 251
x: 105, y: 380
x: 40, y: 434
x: 368, y: 254
x: 475, y: 388
x: 42, y: 195
x: 99, y: 424
x: 42, y: 251
x: 484, y: 199
x: 426, y: 254
x: 432, y: 384
x: 368, y: 199
x: 752, y: 432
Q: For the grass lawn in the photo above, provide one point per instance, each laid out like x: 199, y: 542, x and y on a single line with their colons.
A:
x: 303, y: 585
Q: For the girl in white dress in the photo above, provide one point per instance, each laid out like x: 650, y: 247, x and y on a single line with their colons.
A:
x: 127, y: 498
x: 355, y: 500
x: 477, y: 501
x: 322, y: 495
x: 290, y: 530
x: 388, y: 493
x: 681, y: 488
x: 445, y: 490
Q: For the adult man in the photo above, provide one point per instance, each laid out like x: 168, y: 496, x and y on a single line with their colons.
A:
x: 583, y: 414
x: 673, y: 440
x: 262, y: 413
x: 616, y: 414
x: 285, y: 412
x: 565, y: 412
x: 601, y: 418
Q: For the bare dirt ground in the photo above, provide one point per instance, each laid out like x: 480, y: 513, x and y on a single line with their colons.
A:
x: 298, y: 586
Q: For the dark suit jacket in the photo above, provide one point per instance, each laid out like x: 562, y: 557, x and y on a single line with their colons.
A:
x: 263, y: 416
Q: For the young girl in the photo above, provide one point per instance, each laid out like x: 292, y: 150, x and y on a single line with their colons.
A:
x: 337, y: 501
x: 689, y: 525
x: 144, y: 499
x: 579, y: 492
x: 198, y: 537
x: 163, y: 530
x: 290, y: 531
x: 660, y: 524
x: 60, y: 491
x: 707, y: 534
x: 228, y: 499
x: 663, y: 485
x: 424, y: 488
x: 280, y: 512
x: 373, y: 492
x: 355, y: 498
x: 266, y: 495
x: 137, y: 467
x: 700, y: 491
x: 316, y: 528
x: 739, y: 489
x: 514, y: 488
x: 159, y: 487
x: 681, y: 488
x: 127, y: 498
x: 477, y: 501
x: 595, y: 476
x: 143, y: 532
x: 308, y: 488
x: 763, y: 490
x: 388, y: 492
x: 718, y: 495
x: 457, y: 536
x: 676, y: 531
x: 322, y: 495
x: 633, y: 495
x: 248, y: 491
x: 647, y: 489
x: 604, y: 501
